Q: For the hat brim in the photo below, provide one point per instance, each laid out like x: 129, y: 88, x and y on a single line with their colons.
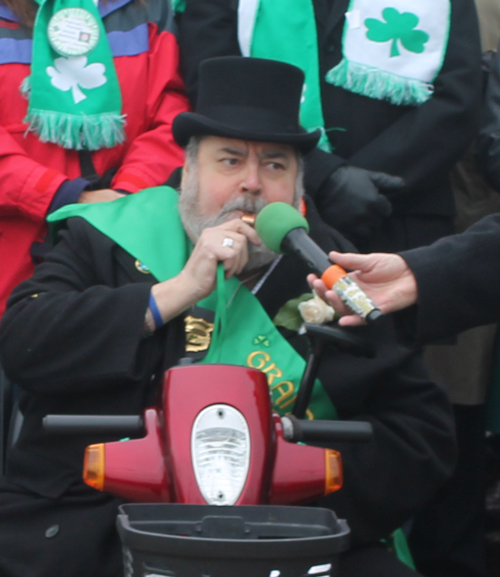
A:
x: 188, y: 124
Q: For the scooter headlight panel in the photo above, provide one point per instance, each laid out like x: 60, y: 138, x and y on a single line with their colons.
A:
x: 220, y: 451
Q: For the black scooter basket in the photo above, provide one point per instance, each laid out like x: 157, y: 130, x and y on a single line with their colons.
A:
x: 161, y: 540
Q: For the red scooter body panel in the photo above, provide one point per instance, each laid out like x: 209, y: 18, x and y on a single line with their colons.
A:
x: 190, y: 389
x: 135, y: 469
x: 159, y: 467
x: 299, y: 471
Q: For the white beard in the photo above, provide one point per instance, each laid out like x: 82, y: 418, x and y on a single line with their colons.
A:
x: 194, y: 223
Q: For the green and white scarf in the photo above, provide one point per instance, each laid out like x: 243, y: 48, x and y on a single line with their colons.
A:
x: 393, y: 49
x: 274, y: 29
x: 74, y: 100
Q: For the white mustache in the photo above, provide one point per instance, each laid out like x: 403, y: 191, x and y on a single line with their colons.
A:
x: 246, y: 203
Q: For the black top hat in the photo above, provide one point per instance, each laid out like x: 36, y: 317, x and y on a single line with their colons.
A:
x: 248, y: 99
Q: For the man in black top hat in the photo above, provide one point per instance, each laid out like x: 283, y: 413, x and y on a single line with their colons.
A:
x: 101, y: 320
x: 368, y: 130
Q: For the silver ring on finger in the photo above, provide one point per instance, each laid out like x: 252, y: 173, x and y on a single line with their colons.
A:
x: 228, y: 241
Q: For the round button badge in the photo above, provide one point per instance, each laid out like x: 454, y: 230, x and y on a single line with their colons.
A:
x: 73, y: 32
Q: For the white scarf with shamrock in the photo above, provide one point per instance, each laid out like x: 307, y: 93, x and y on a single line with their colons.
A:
x: 73, y: 90
x: 393, y: 49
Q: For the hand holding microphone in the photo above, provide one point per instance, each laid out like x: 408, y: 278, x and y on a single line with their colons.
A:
x: 387, y: 278
x: 284, y: 230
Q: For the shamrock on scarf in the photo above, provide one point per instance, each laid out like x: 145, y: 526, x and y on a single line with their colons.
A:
x: 397, y: 26
x: 71, y: 73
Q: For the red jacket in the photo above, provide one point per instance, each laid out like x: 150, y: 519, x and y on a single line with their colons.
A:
x: 146, y: 59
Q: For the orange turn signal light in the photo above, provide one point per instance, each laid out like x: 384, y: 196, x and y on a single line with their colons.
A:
x: 334, y: 477
x: 93, y: 466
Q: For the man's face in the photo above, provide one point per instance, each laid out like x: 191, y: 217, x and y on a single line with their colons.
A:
x: 231, y: 177
x: 248, y: 174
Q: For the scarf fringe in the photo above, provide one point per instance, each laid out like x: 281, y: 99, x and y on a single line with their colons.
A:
x: 77, y: 132
x: 379, y: 84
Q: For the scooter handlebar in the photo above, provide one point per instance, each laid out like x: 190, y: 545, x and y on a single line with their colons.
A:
x: 93, y: 424
x: 299, y: 430
x: 294, y: 430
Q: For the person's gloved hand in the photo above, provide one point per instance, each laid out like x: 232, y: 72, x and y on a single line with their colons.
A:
x: 351, y: 202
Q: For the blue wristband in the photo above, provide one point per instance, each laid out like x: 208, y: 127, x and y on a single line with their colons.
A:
x: 153, y: 307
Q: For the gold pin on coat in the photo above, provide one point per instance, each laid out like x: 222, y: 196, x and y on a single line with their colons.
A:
x: 198, y: 334
x: 141, y: 267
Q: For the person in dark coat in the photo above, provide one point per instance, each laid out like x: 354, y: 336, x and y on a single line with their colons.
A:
x: 95, y: 328
x: 488, y: 141
x: 455, y: 282
x: 419, y: 142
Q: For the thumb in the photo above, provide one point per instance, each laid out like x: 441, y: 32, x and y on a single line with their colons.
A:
x: 386, y: 181
x: 351, y: 260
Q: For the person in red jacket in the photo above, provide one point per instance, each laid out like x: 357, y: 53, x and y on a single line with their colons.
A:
x: 37, y: 175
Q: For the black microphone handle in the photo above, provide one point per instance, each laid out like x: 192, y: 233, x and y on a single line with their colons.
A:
x: 299, y: 243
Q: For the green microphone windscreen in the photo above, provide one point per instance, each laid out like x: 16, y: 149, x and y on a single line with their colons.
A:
x: 275, y: 221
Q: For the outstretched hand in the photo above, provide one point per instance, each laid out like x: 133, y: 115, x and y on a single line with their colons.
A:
x: 386, y: 279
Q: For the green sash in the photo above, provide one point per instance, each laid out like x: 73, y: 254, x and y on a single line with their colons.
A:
x: 148, y: 226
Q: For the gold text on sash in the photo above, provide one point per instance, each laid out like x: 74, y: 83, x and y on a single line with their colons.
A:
x: 261, y: 360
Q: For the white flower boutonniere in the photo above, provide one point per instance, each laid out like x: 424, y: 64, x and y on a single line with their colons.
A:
x: 316, y: 311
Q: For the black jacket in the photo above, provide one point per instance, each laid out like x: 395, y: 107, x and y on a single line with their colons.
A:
x: 72, y: 338
x: 420, y: 144
x: 458, y: 281
x: 488, y: 141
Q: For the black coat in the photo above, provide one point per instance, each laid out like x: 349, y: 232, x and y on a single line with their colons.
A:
x: 420, y: 144
x: 72, y: 338
x: 458, y: 281
x: 488, y: 141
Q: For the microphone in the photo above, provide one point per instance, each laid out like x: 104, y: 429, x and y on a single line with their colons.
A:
x: 284, y: 230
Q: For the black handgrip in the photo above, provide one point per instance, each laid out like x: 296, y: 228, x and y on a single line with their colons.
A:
x: 93, y: 424
x: 299, y: 430
x: 340, y: 338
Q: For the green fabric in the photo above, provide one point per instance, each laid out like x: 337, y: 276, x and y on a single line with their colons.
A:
x: 74, y: 101
x: 397, y: 542
x: 148, y: 226
x: 295, y: 42
x: 178, y: 6
x: 145, y: 238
